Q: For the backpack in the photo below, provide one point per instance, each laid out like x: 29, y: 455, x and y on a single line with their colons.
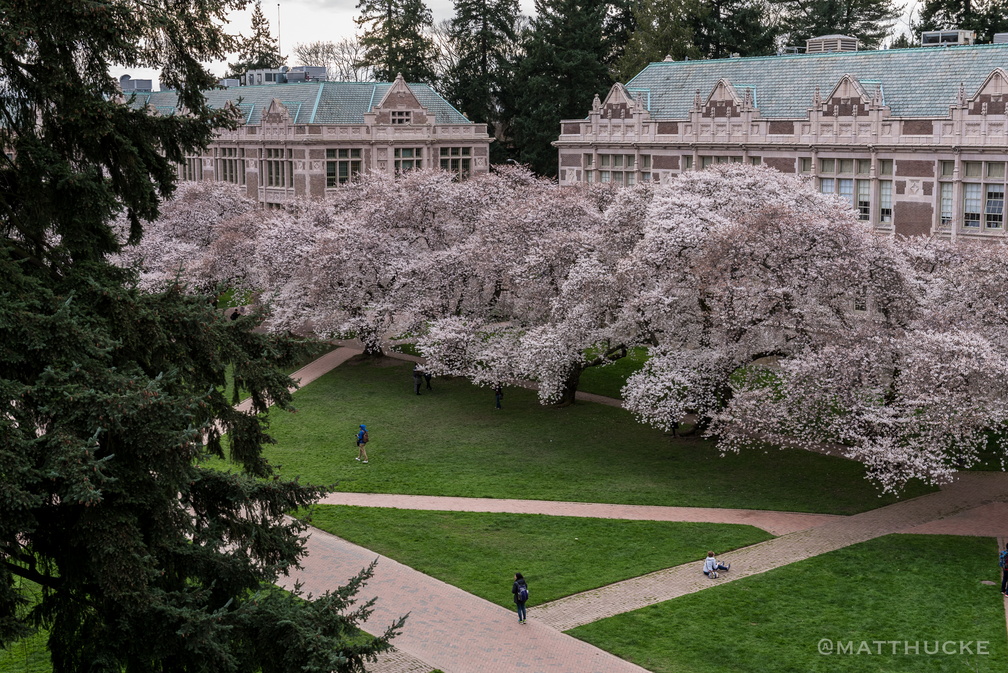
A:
x: 1003, y: 559
x: 522, y: 594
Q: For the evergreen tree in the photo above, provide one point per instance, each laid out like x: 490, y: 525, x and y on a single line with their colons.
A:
x: 619, y: 25
x: 697, y: 29
x: 664, y: 28
x: 142, y: 558
x: 870, y: 21
x: 563, y: 69
x: 258, y: 51
x: 723, y: 28
x: 483, y: 32
x: 394, y: 41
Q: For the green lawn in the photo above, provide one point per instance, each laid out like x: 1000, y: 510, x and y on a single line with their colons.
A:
x: 451, y: 441
x: 558, y: 555
x: 901, y: 588
x: 28, y: 655
x: 313, y: 351
x: 610, y: 379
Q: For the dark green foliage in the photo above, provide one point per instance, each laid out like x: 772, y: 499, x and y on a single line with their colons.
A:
x: 696, y: 29
x: 394, y: 41
x: 564, y: 68
x: 723, y: 28
x: 484, y: 32
x: 258, y: 51
x: 664, y: 28
x: 868, y: 20
x: 145, y: 560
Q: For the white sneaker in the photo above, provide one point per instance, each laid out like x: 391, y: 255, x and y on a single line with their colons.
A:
x: 357, y: 458
x: 363, y: 461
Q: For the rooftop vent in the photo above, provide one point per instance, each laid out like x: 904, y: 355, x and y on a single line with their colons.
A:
x: 947, y: 38
x: 830, y: 43
x: 1000, y: 38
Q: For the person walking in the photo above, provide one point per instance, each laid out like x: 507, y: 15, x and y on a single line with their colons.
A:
x: 498, y: 396
x: 427, y: 378
x: 362, y: 440
x: 417, y: 379
x: 520, y: 591
x: 1003, y: 562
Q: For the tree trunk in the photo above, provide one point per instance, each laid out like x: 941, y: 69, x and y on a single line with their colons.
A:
x: 570, y: 386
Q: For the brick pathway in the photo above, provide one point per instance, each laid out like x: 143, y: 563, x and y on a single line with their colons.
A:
x: 448, y: 628
x: 460, y: 633
x: 972, y: 490
x: 777, y: 523
x: 314, y: 369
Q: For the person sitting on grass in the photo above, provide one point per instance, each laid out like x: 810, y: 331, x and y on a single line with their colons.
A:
x: 711, y: 566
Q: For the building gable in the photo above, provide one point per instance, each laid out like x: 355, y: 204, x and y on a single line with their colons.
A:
x: 276, y: 113
x: 725, y: 100
x: 991, y: 97
x: 619, y: 104
x: 400, y: 105
x: 850, y: 99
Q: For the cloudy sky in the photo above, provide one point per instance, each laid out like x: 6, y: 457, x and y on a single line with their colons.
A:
x: 306, y: 21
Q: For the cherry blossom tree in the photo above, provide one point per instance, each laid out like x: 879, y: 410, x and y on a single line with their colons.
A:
x: 200, y: 235
x: 735, y: 265
x: 919, y: 399
x: 771, y: 314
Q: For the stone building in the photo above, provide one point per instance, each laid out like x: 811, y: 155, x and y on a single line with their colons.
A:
x: 916, y: 140
x: 303, y: 139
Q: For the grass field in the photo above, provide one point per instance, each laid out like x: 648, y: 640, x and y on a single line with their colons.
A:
x: 610, y: 379
x: 559, y: 556
x: 901, y: 588
x: 451, y: 441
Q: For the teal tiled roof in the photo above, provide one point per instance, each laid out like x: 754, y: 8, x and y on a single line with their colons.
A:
x: 311, y: 102
x: 920, y: 82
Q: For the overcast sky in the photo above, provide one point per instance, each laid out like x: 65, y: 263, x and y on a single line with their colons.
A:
x: 306, y: 21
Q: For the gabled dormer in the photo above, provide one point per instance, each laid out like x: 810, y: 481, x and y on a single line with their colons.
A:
x: 276, y: 113
x: 725, y: 101
x: 619, y: 104
x: 992, y: 95
x: 850, y: 98
x: 400, y: 107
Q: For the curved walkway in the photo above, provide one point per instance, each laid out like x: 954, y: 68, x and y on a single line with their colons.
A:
x: 457, y: 632
x: 447, y: 628
x: 776, y: 523
x: 973, y: 490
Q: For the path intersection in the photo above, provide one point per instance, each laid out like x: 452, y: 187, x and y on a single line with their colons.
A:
x: 452, y: 630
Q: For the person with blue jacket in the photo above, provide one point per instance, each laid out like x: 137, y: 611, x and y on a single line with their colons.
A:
x: 362, y: 440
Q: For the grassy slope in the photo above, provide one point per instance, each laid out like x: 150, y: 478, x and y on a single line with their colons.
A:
x: 558, y: 556
x: 451, y: 441
x: 899, y: 587
x: 610, y: 379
